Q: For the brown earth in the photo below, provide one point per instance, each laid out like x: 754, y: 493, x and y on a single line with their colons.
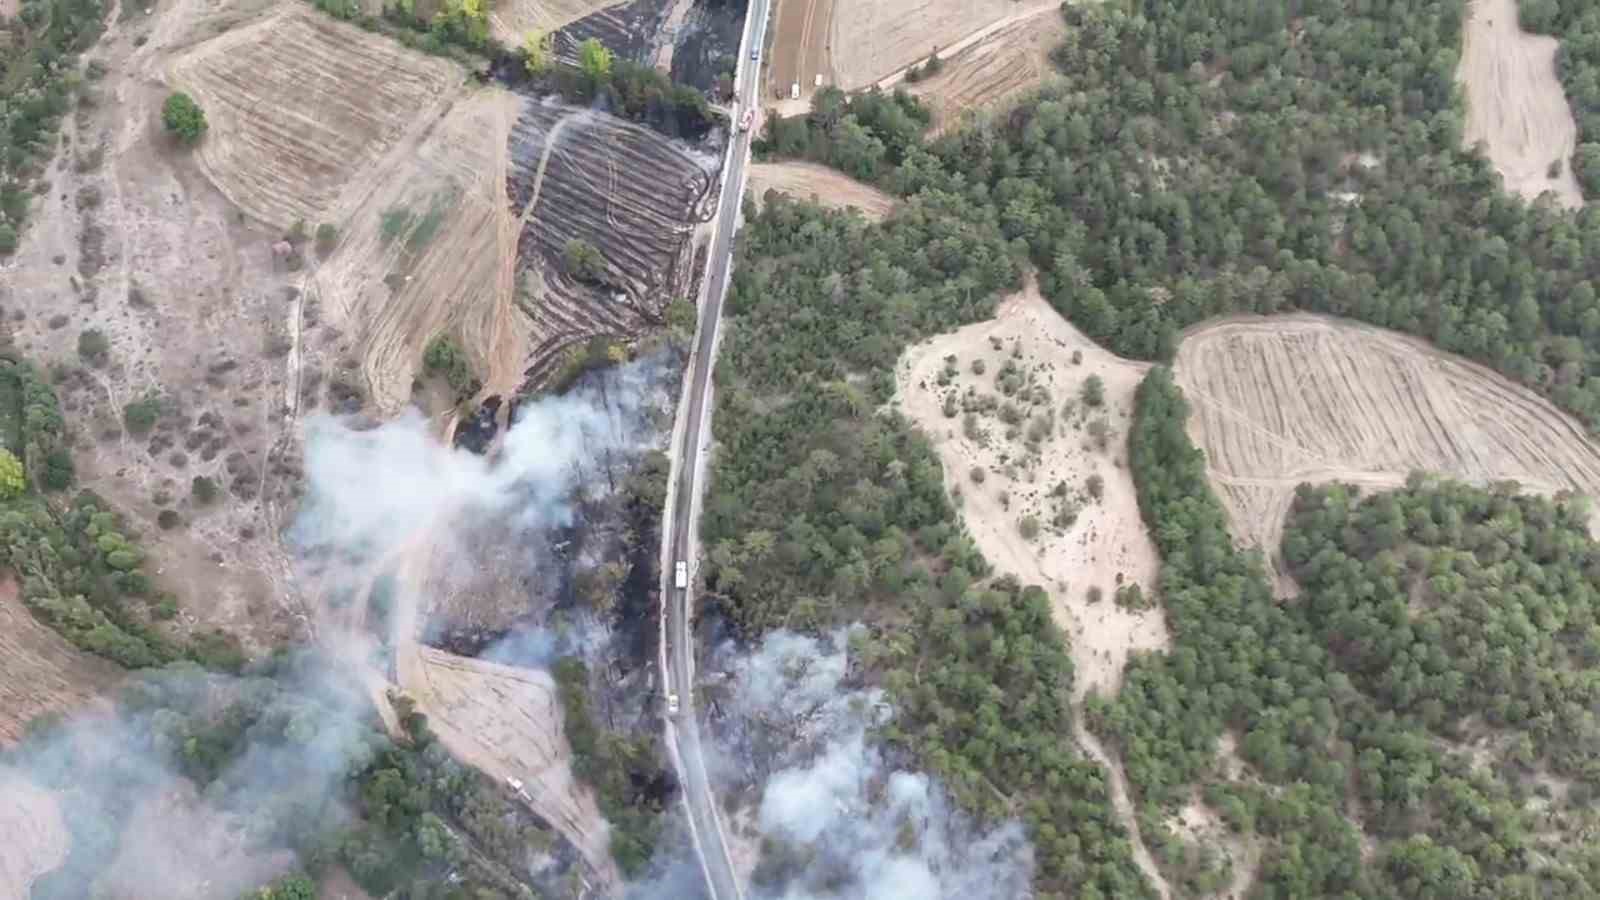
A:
x: 868, y: 41
x: 510, y: 22
x: 1301, y: 398
x: 1515, y: 103
x: 1105, y: 545
x: 338, y: 885
x: 295, y: 112
x: 1003, y: 64
x: 802, y: 46
x: 35, y: 835
x: 9, y: 8
x: 39, y: 671
x: 821, y: 184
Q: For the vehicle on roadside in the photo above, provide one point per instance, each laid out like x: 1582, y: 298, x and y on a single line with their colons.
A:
x: 672, y: 704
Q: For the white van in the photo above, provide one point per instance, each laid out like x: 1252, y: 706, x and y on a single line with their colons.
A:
x: 680, y: 575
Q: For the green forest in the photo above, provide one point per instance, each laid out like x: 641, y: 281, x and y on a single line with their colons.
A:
x: 1190, y: 164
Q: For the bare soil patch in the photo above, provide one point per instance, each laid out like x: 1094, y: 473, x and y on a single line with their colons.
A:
x: 1301, y: 398
x: 511, y: 21
x: 9, y: 8
x: 40, y: 672
x: 1515, y: 103
x: 823, y: 185
x: 297, y: 107
x: 993, y: 70
x: 802, y: 46
x: 1104, y: 542
x: 871, y: 40
x: 35, y: 835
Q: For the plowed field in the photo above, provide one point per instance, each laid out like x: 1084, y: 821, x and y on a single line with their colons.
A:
x: 510, y: 22
x: 39, y: 671
x: 827, y: 186
x: 627, y: 191
x: 1515, y: 104
x: 992, y: 70
x: 298, y: 104
x: 1307, y: 399
x: 871, y: 40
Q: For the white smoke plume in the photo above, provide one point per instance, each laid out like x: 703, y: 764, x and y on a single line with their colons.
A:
x: 843, y: 820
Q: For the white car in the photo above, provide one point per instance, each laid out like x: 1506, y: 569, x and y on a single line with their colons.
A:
x: 672, y: 704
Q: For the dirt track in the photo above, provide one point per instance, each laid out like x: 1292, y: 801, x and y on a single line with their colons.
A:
x: 1302, y: 398
x: 999, y: 66
x: 1515, y: 103
x: 1105, y: 543
x: 827, y: 186
x: 35, y: 838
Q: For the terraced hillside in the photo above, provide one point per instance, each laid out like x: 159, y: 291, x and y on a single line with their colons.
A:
x: 627, y: 191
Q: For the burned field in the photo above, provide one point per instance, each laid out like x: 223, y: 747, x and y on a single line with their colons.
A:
x: 580, y: 178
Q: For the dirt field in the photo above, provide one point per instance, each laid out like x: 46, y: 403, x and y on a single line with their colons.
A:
x: 39, y: 671
x: 295, y: 113
x: 1301, y: 398
x: 35, y: 836
x: 801, y: 46
x: 990, y: 71
x: 1106, y: 544
x: 870, y: 40
x: 510, y: 22
x: 826, y: 186
x: 1515, y: 103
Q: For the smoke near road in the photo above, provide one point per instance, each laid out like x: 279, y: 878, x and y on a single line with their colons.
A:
x: 835, y: 817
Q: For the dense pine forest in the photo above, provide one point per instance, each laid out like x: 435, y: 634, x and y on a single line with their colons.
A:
x: 1196, y: 159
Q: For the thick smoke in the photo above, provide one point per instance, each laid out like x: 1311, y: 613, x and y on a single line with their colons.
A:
x: 196, y: 785
x: 835, y: 817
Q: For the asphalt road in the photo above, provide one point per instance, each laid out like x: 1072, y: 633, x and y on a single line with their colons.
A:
x: 683, y: 729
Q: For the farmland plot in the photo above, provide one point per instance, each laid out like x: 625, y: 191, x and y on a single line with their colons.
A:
x: 826, y: 186
x: 627, y: 191
x: 998, y: 67
x: 1307, y: 399
x: 298, y: 107
x: 871, y: 40
x: 39, y: 671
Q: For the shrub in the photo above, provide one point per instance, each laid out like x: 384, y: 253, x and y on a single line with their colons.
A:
x: 1029, y: 526
x: 12, y: 480
x: 183, y: 117
x: 1093, y: 391
x: 327, y: 237
x: 169, y: 519
x: 978, y: 475
x: 977, y: 367
x: 93, y: 346
x: 204, y: 490
x: 583, y: 261
x: 140, y: 415
x: 8, y: 239
x: 1096, y: 486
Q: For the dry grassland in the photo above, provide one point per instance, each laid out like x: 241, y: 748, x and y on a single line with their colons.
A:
x: 511, y: 21
x: 35, y: 838
x: 821, y: 184
x: 299, y: 104
x: 993, y: 70
x: 40, y: 672
x: 1106, y: 544
x: 1301, y: 398
x: 440, y: 268
x: 870, y: 40
x: 1515, y: 103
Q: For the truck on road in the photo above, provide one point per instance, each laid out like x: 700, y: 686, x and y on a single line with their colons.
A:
x: 680, y: 575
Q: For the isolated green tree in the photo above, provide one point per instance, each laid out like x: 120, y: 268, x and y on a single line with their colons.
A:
x: 1093, y: 391
x: 12, y: 481
x: 583, y: 261
x: 538, y: 51
x: 183, y: 117
x: 595, y: 60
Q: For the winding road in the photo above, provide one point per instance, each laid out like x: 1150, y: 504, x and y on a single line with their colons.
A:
x: 691, y: 433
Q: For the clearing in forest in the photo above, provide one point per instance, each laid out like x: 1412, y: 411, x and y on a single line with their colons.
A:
x: 988, y: 72
x: 824, y: 185
x: 298, y: 104
x: 1515, y: 104
x: 36, y: 838
x: 869, y: 41
x: 1041, y: 476
x: 1023, y: 444
x: 1302, y: 398
x: 39, y: 673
